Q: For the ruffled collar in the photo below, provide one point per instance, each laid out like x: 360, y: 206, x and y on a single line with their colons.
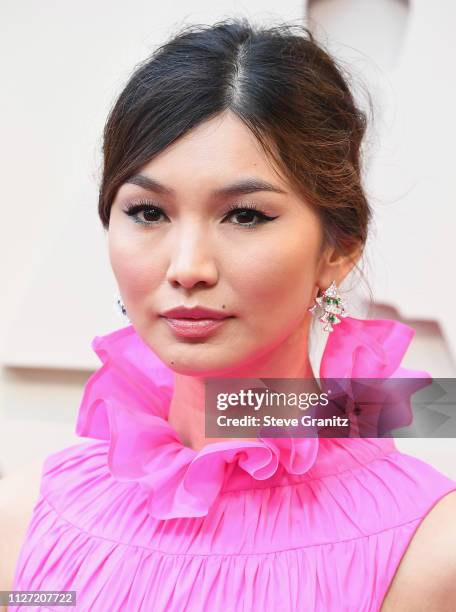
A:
x: 126, y: 403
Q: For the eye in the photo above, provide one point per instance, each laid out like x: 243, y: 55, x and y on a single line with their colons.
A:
x: 246, y: 212
x: 150, y: 211
x: 151, y: 214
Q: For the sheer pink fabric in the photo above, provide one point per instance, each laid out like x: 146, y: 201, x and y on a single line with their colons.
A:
x: 134, y: 520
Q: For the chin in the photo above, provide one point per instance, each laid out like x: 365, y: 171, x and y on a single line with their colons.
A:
x: 193, y: 360
x: 195, y: 356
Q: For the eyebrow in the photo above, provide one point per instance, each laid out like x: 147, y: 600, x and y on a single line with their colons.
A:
x: 242, y: 187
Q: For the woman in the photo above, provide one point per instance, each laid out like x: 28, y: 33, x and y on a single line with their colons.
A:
x: 232, y: 199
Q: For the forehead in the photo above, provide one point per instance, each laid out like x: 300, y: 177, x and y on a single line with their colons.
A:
x: 217, y: 151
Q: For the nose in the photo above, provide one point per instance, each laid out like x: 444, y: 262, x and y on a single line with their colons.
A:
x: 191, y: 261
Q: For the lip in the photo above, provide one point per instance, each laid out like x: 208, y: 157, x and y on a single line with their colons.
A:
x: 195, y: 328
x: 194, y: 322
x: 196, y: 312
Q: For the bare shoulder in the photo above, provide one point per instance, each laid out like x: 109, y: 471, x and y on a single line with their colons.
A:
x: 425, y: 580
x: 18, y: 495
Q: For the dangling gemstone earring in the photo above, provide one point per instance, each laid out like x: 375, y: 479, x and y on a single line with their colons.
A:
x: 120, y: 308
x: 332, y: 306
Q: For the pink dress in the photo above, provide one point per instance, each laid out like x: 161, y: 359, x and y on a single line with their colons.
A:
x: 133, y: 520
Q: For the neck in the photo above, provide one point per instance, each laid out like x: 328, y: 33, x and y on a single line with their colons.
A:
x: 186, y: 412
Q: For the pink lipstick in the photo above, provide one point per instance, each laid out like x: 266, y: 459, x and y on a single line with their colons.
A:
x: 194, y: 322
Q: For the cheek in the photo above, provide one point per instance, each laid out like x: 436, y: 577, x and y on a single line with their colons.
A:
x: 280, y: 275
x: 134, y: 268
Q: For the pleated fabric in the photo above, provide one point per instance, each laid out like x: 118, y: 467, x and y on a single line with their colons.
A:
x: 134, y: 520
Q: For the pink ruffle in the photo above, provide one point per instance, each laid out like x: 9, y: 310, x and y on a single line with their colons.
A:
x: 363, y: 348
x: 126, y: 402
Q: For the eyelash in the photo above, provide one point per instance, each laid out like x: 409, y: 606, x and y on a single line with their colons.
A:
x: 143, y: 205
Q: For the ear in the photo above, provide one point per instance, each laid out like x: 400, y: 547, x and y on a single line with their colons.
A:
x: 336, y: 266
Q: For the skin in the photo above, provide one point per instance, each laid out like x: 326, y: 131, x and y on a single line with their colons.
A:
x: 196, y: 252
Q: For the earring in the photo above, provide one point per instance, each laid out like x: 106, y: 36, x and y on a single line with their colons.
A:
x: 332, y: 305
x: 120, y: 308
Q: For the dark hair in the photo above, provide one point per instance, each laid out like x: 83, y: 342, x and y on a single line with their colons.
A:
x: 280, y: 82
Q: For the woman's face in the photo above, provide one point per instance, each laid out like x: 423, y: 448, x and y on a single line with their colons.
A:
x: 186, y: 247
